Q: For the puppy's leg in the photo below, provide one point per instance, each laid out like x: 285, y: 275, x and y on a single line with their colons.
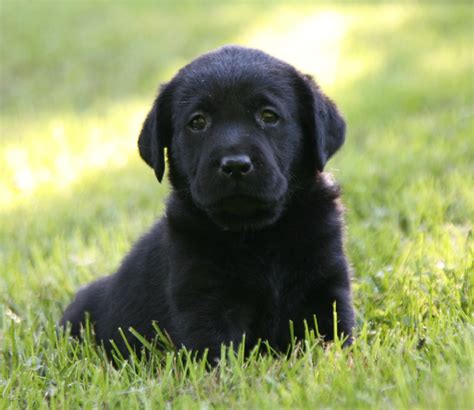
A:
x: 323, y: 308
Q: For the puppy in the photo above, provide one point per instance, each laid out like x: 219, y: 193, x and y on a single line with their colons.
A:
x: 252, y: 234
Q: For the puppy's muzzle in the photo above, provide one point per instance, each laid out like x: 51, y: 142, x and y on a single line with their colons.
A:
x: 235, y: 166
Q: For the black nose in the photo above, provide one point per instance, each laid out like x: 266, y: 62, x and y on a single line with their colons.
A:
x: 236, y: 165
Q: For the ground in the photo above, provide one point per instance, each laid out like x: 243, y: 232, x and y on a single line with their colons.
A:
x: 76, y: 81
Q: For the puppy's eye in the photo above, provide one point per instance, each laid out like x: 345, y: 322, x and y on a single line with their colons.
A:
x: 197, y: 123
x: 269, y: 117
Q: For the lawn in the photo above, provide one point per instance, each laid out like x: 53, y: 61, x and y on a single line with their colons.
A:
x: 77, y: 78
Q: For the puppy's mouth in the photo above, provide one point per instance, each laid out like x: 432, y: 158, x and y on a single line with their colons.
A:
x: 241, y: 205
x: 242, y: 212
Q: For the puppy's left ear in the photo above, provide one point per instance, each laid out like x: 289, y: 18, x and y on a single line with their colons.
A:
x: 156, y: 132
x: 324, y: 122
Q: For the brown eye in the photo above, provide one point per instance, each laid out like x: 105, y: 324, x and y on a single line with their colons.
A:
x: 269, y: 117
x: 197, y: 123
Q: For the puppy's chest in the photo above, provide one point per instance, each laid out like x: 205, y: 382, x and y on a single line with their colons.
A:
x: 271, y: 277
x: 273, y: 288
x: 259, y: 290
x: 275, y: 285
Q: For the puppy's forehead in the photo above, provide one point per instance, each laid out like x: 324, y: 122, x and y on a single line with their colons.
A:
x: 233, y: 72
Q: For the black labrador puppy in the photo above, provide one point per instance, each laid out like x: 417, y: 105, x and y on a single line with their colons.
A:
x: 252, y: 235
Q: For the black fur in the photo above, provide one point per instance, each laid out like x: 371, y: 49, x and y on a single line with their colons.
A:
x: 236, y: 253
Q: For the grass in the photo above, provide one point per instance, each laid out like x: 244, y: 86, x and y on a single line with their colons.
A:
x: 76, y: 81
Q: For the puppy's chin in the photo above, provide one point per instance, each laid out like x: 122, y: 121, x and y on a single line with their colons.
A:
x: 243, y: 213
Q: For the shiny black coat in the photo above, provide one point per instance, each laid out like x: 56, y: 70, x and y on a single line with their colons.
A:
x: 236, y: 253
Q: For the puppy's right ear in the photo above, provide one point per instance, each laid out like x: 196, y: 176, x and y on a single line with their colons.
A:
x: 156, y: 132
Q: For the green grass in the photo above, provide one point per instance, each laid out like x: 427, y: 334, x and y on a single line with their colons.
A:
x: 76, y: 80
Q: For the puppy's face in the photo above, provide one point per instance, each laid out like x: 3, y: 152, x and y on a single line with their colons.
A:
x: 236, y: 138
x: 236, y: 125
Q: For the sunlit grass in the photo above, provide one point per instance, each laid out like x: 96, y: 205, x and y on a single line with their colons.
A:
x: 75, y: 87
x: 55, y: 152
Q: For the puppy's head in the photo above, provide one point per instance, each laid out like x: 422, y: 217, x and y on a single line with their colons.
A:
x: 243, y: 132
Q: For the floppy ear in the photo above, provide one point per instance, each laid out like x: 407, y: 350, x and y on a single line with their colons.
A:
x: 156, y: 132
x: 326, y: 123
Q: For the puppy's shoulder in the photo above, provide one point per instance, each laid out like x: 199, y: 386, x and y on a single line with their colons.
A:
x: 149, y: 253
x: 324, y: 208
